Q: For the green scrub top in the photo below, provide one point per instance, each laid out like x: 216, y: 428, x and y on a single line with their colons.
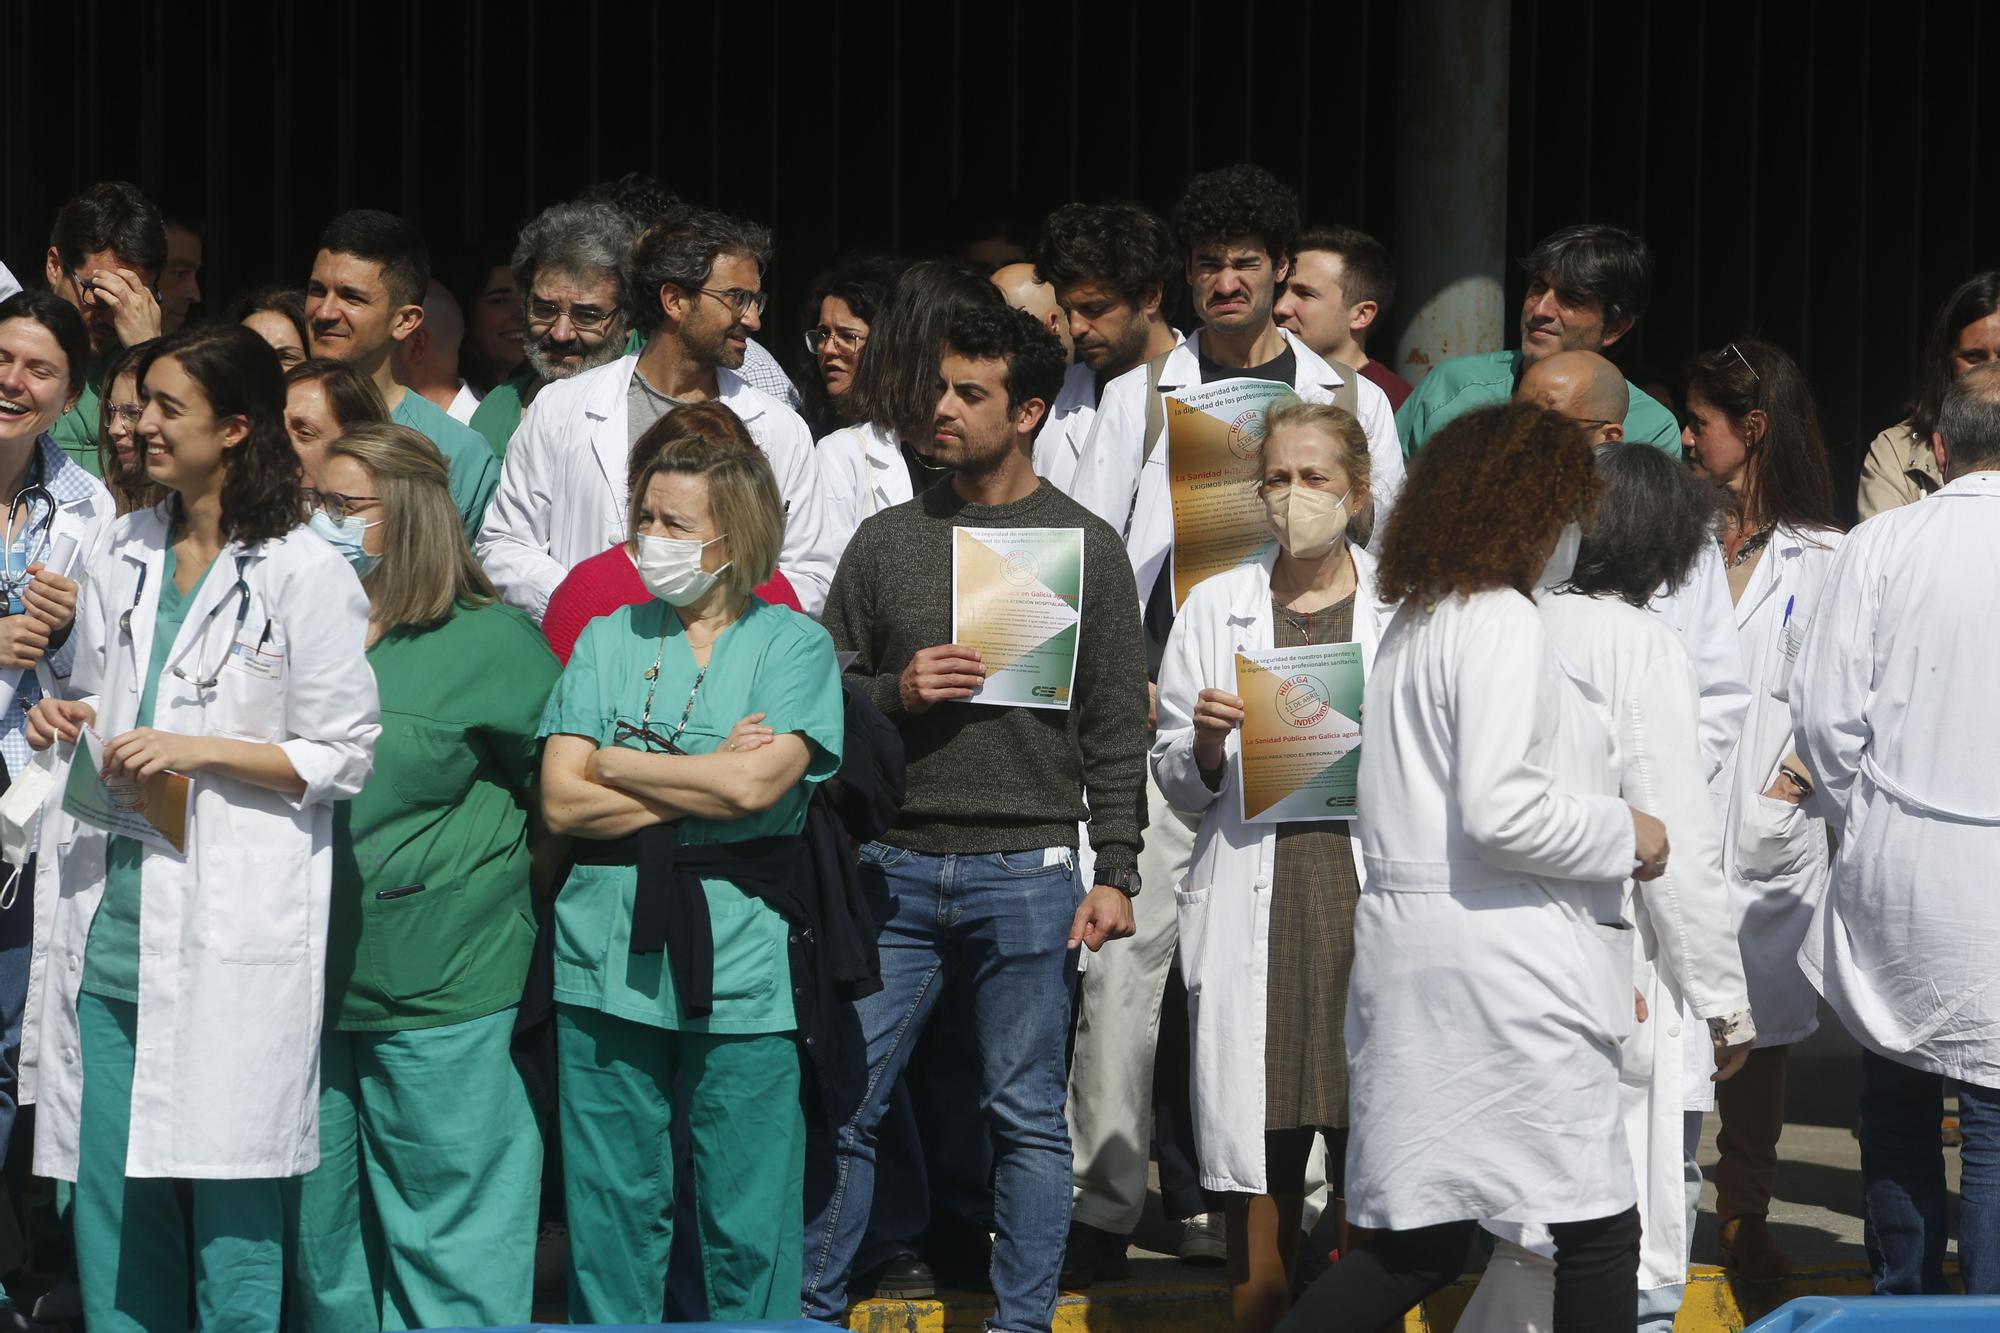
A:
x: 111, y: 953
x: 432, y: 919
x: 1467, y: 383
x: 772, y: 661
x: 499, y: 413
x: 76, y: 429
x: 475, y: 472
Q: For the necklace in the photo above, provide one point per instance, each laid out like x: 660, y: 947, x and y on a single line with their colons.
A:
x: 1754, y: 543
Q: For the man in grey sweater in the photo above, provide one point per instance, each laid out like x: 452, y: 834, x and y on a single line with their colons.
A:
x: 977, y: 878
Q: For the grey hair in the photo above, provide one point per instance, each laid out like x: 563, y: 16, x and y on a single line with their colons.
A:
x: 579, y: 237
x: 683, y: 250
x: 1970, y: 420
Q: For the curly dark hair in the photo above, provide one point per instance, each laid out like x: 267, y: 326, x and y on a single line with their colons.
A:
x: 1651, y: 524
x: 1034, y: 358
x: 261, y: 498
x: 1484, y: 502
x: 1124, y: 246
x: 1234, y: 203
x: 682, y: 252
x: 866, y: 282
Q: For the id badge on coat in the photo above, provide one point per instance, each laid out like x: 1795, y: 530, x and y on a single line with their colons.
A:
x: 260, y: 662
x: 1791, y: 638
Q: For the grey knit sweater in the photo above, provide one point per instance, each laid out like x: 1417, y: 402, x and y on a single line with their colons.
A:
x: 985, y: 778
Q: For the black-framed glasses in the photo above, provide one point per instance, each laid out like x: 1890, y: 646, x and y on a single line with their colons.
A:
x: 642, y: 731
x: 819, y: 336
x: 336, y: 505
x: 738, y: 299
x: 86, y: 288
x: 582, y: 318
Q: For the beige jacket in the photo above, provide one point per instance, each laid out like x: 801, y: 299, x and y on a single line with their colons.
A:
x: 1900, y: 469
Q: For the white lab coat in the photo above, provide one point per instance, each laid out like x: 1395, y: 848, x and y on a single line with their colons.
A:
x: 1111, y: 482
x: 863, y: 471
x: 1899, y: 723
x: 1685, y: 957
x: 1699, y: 613
x: 1774, y: 852
x: 1224, y: 903
x: 1492, y: 979
x: 563, y: 498
x: 78, y: 527
x: 1067, y: 435
x: 232, y: 937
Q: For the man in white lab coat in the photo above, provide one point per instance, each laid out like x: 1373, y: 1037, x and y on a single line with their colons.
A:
x: 1110, y: 265
x: 1896, y: 716
x: 699, y: 282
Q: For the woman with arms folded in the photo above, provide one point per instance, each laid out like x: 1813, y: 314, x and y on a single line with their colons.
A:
x: 671, y: 968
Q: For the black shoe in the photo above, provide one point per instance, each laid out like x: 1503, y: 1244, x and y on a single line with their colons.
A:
x: 903, y: 1278
x: 1093, y: 1256
x: 960, y: 1253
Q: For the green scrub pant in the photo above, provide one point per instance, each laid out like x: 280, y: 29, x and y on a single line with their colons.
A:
x: 422, y: 1212
x: 740, y: 1094
x: 131, y: 1245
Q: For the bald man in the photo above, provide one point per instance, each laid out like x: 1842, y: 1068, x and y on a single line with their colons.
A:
x: 1017, y: 283
x: 1583, y: 386
x: 427, y: 360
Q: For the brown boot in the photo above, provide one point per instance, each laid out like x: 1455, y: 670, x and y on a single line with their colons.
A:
x: 1747, y: 1248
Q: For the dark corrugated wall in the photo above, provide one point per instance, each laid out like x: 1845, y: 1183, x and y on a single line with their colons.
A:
x: 1821, y: 174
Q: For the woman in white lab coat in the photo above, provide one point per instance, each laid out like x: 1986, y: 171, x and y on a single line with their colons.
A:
x: 871, y: 465
x: 1651, y: 526
x: 1753, y: 428
x: 1266, y: 914
x: 1492, y: 979
x: 219, y: 641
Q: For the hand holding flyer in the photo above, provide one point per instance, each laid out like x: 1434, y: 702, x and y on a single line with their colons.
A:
x: 1017, y: 600
x: 1301, y: 734
x: 154, y: 811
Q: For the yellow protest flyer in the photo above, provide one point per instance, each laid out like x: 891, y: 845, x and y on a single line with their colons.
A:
x: 1301, y: 735
x: 1017, y: 600
x: 1214, y: 433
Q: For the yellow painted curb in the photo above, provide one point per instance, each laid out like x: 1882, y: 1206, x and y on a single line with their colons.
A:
x: 1716, y: 1303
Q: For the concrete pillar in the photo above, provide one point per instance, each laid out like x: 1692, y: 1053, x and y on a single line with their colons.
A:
x: 1451, y: 180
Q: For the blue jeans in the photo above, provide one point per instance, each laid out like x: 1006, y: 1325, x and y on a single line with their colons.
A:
x: 1000, y: 922
x: 1902, y: 1172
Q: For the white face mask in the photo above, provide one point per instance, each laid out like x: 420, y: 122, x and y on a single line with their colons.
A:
x: 1562, y: 560
x: 1306, y: 522
x: 671, y: 568
x: 21, y: 818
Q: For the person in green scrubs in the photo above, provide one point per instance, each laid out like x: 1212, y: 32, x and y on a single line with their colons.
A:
x: 218, y: 642
x: 422, y: 1210
x: 657, y: 1019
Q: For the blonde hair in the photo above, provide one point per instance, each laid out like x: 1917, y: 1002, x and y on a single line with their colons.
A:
x: 426, y: 567
x: 1336, y: 423
x: 742, y: 501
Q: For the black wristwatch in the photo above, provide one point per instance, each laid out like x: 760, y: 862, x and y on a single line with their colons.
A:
x: 1125, y: 881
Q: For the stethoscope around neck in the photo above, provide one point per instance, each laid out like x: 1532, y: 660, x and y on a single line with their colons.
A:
x: 201, y: 680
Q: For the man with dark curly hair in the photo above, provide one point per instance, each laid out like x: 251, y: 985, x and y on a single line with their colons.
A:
x: 1587, y: 289
x: 1110, y: 265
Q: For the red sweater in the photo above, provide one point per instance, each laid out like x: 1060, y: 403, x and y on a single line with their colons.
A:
x: 605, y: 582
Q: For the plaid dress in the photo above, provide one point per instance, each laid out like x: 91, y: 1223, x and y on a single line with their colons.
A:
x: 1314, y: 887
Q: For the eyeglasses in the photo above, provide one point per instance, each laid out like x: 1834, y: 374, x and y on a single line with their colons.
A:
x: 642, y: 731
x: 820, y: 336
x: 737, y: 299
x: 336, y: 505
x: 1737, y: 352
x: 126, y: 412
x: 86, y: 288
x: 582, y: 318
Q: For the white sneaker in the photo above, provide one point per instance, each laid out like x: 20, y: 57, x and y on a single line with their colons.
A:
x: 1203, y: 1240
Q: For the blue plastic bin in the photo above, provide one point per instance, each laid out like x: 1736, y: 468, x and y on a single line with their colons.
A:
x: 1837, y: 1314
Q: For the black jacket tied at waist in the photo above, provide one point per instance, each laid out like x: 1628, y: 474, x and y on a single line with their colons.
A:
x: 811, y: 880
x: 670, y: 910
